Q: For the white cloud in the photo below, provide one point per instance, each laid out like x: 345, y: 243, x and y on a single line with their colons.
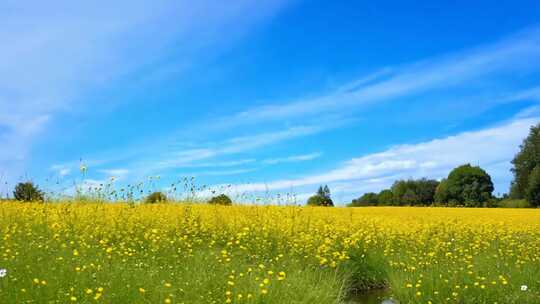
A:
x: 64, y: 172
x: 61, y: 170
x: 218, y: 164
x: 291, y: 159
x: 492, y: 148
x: 118, y: 174
x: 222, y: 172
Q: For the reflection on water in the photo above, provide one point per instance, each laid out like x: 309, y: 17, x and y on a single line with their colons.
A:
x: 376, y: 296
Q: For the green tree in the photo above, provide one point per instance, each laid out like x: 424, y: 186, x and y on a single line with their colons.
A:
x: 524, y: 163
x: 410, y: 198
x: 469, y: 186
x: 385, y: 197
x: 442, y: 195
x: 532, y: 194
x: 399, y: 188
x: 414, y: 192
x: 322, y: 198
x: 28, y: 192
x: 367, y: 199
x: 222, y: 199
x: 425, y: 190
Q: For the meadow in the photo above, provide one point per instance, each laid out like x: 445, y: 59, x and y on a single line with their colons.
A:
x: 199, y: 253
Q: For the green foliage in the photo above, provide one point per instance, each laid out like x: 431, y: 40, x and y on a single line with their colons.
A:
x: 322, y: 198
x: 469, y: 186
x: 414, y: 192
x: 410, y: 198
x: 425, y: 190
x: 222, y: 199
x: 28, y: 192
x: 156, y: 198
x: 316, y: 200
x: 514, y: 203
x: 368, y: 199
x: 385, y: 197
x: 524, y: 163
x: 532, y: 193
x: 441, y: 193
x: 403, y: 192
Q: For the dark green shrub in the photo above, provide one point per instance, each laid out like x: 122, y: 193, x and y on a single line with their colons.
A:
x: 156, y: 198
x: 27, y: 192
x: 220, y: 200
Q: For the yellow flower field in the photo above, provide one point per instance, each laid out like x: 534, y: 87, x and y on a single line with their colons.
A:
x: 182, y: 253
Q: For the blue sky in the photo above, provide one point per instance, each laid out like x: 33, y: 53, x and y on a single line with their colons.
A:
x: 268, y: 96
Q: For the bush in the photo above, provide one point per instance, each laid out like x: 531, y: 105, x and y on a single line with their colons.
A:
x: 156, y: 198
x: 514, y: 203
x: 220, y: 200
x: 27, y: 192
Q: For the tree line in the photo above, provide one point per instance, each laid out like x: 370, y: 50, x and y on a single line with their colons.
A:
x: 465, y: 185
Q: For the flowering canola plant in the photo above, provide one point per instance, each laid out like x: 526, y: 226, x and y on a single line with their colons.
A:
x: 194, y: 253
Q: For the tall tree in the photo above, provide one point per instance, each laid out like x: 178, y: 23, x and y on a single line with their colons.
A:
x: 326, y: 191
x: 441, y: 193
x: 532, y: 194
x: 524, y: 163
x: 468, y: 185
x: 322, y: 198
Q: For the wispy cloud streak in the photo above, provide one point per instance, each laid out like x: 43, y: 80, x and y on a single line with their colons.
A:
x: 520, y: 52
x: 53, y: 54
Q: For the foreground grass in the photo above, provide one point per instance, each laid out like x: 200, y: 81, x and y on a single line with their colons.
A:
x: 116, y: 253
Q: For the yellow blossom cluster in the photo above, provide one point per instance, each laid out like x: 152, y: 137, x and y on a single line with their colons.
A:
x: 193, y: 253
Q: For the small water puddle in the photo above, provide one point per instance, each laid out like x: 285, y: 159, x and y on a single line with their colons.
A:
x: 375, y: 296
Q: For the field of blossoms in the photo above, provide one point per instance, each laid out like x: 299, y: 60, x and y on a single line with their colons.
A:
x: 182, y: 253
